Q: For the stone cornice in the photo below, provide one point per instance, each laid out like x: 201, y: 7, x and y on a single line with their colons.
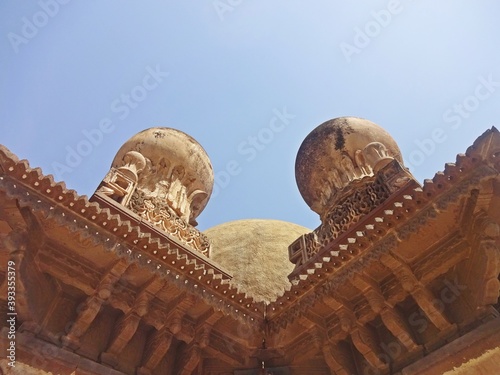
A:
x: 135, y: 240
x: 124, y: 233
x: 403, y: 213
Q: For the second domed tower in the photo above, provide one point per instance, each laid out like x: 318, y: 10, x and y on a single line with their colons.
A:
x: 338, y: 153
x: 345, y: 168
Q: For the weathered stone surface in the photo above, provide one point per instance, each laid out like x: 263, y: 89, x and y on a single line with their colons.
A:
x: 488, y: 363
x: 21, y: 369
x: 164, y: 176
x: 345, y: 169
x: 255, y: 252
x: 338, y: 152
x: 165, y: 166
x: 406, y: 271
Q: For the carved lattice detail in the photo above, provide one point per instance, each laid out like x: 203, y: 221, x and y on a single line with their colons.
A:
x: 361, y: 198
x: 157, y: 212
x: 342, y: 216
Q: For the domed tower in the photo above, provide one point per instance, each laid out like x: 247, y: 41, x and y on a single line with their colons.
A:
x: 164, y: 176
x: 345, y: 168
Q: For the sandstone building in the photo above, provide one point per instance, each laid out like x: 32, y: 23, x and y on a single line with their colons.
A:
x: 399, y: 278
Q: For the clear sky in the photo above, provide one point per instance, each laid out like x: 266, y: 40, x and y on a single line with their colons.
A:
x: 224, y: 70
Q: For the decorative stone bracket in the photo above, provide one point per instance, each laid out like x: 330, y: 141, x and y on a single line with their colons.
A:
x: 361, y: 197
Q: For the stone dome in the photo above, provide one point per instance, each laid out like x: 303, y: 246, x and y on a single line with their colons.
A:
x: 170, y: 165
x: 338, y: 152
x: 255, y: 252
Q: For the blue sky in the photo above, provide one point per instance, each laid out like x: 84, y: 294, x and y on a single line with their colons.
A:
x: 221, y: 71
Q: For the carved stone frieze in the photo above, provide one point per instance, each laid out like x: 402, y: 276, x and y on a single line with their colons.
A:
x: 343, y: 302
x: 282, y: 318
x: 50, y: 201
x: 420, y: 293
x: 158, y: 212
x: 360, y: 199
x: 164, y: 176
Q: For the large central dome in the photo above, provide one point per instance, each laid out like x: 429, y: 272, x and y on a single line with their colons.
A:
x: 255, y: 252
x: 337, y: 153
